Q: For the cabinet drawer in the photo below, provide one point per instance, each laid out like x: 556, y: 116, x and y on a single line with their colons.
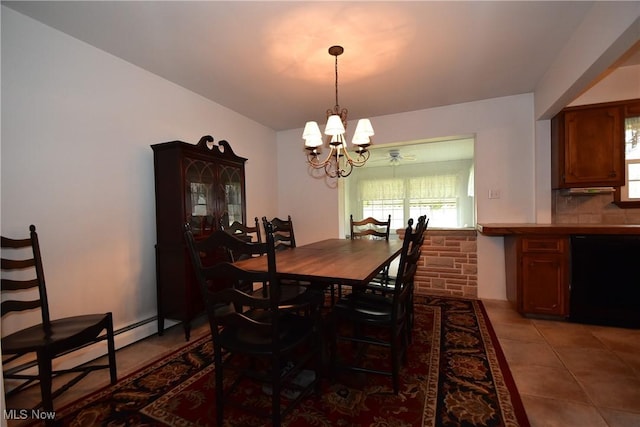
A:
x: 543, y: 244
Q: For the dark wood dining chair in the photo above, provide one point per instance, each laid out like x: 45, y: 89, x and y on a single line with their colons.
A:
x: 386, y: 287
x: 22, y: 274
x: 283, y: 233
x: 285, y: 238
x: 358, y: 317
x: 263, y: 340
x: 370, y: 228
x: 243, y: 232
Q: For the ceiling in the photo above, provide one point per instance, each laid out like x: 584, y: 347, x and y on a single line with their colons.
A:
x: 268, y: 60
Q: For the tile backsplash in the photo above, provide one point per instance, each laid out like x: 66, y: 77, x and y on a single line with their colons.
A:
x: 590, y: 209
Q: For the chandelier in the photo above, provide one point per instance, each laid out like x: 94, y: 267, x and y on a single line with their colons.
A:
x: 338, y: 163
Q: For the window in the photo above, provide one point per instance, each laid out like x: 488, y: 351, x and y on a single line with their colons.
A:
x: 629, y: 194
x: 432, y: 178
x: 632, y: 158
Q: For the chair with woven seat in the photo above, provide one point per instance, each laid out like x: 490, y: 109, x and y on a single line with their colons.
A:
x: 366, y: 314
x: 22, y: 274
x: 260, y: 338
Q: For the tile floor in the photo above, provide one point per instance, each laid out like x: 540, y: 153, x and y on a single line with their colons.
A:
x: 568, y: 374
x: 571, y: 374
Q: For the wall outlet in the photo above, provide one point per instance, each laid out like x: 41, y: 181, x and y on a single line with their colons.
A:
x: 494, y: 194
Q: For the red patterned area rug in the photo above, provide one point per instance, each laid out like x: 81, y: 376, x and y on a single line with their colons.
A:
x: 456, y: 376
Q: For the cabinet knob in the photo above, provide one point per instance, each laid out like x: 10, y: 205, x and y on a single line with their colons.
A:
x: 612, y: 174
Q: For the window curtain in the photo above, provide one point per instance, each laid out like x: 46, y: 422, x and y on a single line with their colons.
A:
x: 381, y: 189
x: 434, y: 187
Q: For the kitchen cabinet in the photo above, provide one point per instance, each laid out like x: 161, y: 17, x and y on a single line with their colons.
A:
x: 587, y: 146
x: 537, y: 269
x: 202, y: 185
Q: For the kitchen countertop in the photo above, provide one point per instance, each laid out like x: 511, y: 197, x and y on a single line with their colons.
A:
x: 504, y: 229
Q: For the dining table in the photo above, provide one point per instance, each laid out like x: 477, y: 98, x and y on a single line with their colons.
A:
x: 331, y: 261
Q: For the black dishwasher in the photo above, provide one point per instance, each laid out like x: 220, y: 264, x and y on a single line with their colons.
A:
x: 605, y: 280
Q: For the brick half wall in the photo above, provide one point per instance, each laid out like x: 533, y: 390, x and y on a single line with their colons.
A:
x: 449, y: 263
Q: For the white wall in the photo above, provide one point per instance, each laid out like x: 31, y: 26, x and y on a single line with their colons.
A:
x: 77, y: 125
x: 504, y: 132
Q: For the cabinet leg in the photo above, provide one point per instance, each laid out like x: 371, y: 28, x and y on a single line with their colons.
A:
x: 160, y: 325
x: 187, y: 330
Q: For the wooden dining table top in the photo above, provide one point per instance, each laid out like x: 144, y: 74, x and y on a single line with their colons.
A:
x: 339, y: 261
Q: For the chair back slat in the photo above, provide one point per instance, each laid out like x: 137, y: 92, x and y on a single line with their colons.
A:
x: 14, y: 305
x: 7, y: 242
x: 18, y: 285
x: 15, y: 286
x: 371, y: 228
x: 17, y: 264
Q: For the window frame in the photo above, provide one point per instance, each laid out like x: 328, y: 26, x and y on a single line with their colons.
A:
x: 632, y: 110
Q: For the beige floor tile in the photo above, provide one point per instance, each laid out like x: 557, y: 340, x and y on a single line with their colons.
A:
x: 517, y: 331
x: 618, y: 339
x: 620, y: 419
x: 525, y: 353
x: 631, y: 359
x: 560, y: 335
x: 553, y: 383
x: 584, y: 361
x: 613, y: 392
x: 543, y: 412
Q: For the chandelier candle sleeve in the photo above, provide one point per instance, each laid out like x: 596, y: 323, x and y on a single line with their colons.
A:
x: 338, y: 163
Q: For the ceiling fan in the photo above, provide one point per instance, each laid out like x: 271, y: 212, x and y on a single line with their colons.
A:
x: 394, y: 158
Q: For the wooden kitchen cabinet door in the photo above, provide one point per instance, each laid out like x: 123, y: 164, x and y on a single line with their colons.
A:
x: 544, y: 284
x: 587, y: 147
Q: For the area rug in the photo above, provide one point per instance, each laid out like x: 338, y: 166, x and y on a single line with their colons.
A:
x: 456, y: 375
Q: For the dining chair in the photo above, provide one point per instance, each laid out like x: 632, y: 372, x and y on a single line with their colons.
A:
x: 23, y: 279
x: 417, y: 240
x: 284, y: 238
x: 283, y: 233
x: 365, y: 315
x: 244, y: 232
x: 371, y: 228
x: 255, y: 336
x: 386, y: 287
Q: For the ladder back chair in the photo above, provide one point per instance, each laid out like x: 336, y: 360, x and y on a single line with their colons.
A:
x: 371, y: 228
x: 22, y: 274
x: 284, y: 238
x: 255, y: 336
x: 283, y: 234
x: 357, y: 317
x: 243, y: 232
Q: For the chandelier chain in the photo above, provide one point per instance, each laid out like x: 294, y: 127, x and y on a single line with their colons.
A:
x: 337, y: 104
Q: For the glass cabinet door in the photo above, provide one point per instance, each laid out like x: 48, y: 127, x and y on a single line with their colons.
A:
x: 200, y: 202
x: 232, y: 194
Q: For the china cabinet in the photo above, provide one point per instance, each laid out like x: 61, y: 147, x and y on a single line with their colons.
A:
x: 202, y: 185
